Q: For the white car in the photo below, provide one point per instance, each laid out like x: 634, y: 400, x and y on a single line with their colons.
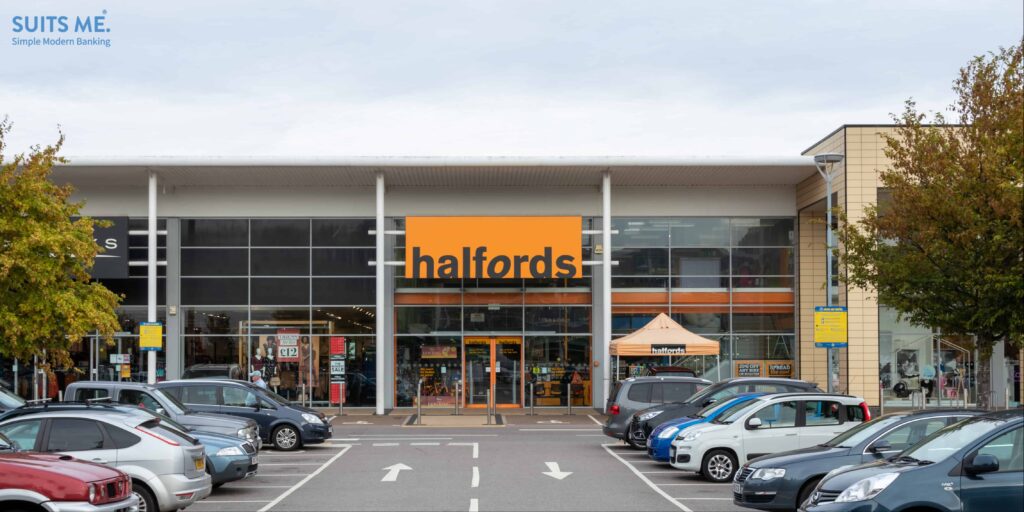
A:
x: 766, y: 425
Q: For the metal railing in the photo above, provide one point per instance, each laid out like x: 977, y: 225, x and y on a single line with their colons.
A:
x: 568, y: 397
x: 458, y: 386
x: 488, y: 406
x: 419, y: 402
x: 533, y: 412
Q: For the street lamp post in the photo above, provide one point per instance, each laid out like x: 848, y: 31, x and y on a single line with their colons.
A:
x: 825, y: 163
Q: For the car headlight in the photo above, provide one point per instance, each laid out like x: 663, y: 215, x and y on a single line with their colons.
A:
x: 690, y: 436
x: 768, y: 474
x: 309, y: 418
x: 648, y: 415
x: 229, y: 451
x: 867, y: 488
x: 243, y: 433
x: 668, y: 432
x: 92, y: 493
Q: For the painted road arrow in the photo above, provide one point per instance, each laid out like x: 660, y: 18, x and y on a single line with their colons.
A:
x: 392, y: 472
x: 554, y: 472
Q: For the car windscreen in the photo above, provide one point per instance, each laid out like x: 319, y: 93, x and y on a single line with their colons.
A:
x: 951, y: 439
x: 862, y: 432
x: 175, y: 405
x: 699, y: 396
x: 274, y: 397
x: 734, y: 411
x: 9, y: 400
x: 717, y: 406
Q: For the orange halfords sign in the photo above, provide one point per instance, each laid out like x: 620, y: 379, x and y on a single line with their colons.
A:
x: 493, y: 247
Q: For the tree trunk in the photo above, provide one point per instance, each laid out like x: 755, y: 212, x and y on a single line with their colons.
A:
x: 984, y: 371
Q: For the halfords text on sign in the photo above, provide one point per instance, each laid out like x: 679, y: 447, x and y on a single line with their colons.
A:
x: 493, y: 247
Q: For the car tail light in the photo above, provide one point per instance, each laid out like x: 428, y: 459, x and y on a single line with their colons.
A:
x: 158, y: 436
x: 867, y: 412
x: 614, y: 410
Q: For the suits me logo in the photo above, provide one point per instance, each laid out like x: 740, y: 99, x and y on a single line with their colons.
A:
x: 52, y: 30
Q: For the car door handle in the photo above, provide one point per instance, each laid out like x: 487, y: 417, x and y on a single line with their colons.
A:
x: 791, y: 435
x: 100, y: 461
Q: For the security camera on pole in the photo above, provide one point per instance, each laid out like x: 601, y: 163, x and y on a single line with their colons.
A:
x: 829, y: 321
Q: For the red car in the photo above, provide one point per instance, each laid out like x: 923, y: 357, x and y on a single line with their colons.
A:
x: 32, y: 482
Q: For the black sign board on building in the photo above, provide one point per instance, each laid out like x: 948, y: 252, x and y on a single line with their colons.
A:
x: 112, y: 262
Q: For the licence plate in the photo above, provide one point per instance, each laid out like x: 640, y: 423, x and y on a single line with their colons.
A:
x: 737, y: 488
x: 200, y: 464
x: 254, y: 460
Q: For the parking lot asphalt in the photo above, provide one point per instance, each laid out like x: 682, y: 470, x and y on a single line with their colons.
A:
x: 548, y: 462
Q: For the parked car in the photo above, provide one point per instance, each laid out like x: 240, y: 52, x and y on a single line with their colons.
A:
x: 283, y: 424
x: 212, y: 371
x: 150, y: 397
x: 660, y: 440
x: 58, y: 483
x: 976, y: 464
x: 8, y: 400
x: 167, y: 466
x: 637, y: 393
x: 671, y: 371
x: 783, y: 481
x: 639, y: 429
x: 774, y: 423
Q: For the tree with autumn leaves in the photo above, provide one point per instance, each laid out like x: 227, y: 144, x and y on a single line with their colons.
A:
x: 47, y: 299
x: 948, y: 250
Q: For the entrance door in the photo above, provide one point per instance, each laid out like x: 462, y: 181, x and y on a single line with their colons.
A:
x: 493, y: 364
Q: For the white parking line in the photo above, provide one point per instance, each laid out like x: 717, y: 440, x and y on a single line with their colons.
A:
x: 302, y: 482
x: 230, y: 501
x: 258, y: 487
x: 709, y: 499
x: 281, y: 475
x: 595, y: 420
x: 289, y: 464
x: 475, y: 482
x: 289, y: 454
x: 474, y: 505
x: 424, y: 444
x: 385, y: 444
x: 557, y: 429
x: 646, y: 480
x: 476, y: 448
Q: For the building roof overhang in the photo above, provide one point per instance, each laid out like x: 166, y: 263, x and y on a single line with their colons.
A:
x: 445, y: 172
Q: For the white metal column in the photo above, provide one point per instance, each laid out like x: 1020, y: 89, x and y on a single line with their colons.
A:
x: 606, y: 285
x: 381, y: 303
x: 151, y: 275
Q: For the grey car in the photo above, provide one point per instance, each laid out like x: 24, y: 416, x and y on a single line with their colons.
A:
x: 154, y: 399
x: 638, y: 393
x: 167, y: 466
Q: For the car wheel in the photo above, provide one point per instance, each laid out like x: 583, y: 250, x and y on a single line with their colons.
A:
x: 719, y: 466
x: 285, y: 438
x: 147, y: 503
x: 805, y: 492
x: 635, y: 437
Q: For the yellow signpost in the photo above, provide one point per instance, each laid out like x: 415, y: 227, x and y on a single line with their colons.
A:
x: 151, y: 336
x: 830, y: 324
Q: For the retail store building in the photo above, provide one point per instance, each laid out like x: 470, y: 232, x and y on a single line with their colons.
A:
x: 265, y: 263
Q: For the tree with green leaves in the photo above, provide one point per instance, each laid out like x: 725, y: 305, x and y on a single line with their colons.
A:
x: 47, y: 298
x: 948, y: 250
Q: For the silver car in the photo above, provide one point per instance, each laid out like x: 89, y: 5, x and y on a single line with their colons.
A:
x: 167, y: 467
x: 636, y: 393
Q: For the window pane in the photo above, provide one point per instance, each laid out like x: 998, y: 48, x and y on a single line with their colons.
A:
x: 280, y: 291
x: 781, y: 415
x: 218, y: 350
x: 762, y: 322
x: 200, y: 395
x: 762, y: 232
x: 428, y: 319
x: 640, y: 232
x: 625, y: 323
x: 269, y: 320
x: 343, y: 232
x: 551, y: 362
x: 677, y: 391
x: 764, y: 347
x: 137, y: 398
x: 136, y: 290
x: 700, y: 262
x: 280, y: 262
x: 223, y: 291
x: 213, y: 320
x: 558, y: 319
x: 436, y: 360
x: 339, y: 291
x: 493, y: 318
x: 819, y: 413
x: 22, y: 433
x: 634, y: 262
x: 639, y: 392
x: 214, y: 262
x: 700, y: 232
x: 640, y: 282
x: 343, y: 262
x: 346, y: 320
x: 762, y: 262
x: 908, y: 435
x: 762, y: 282
x: 280, y: 232
x: 701, y: 282
x: 215, y: 232
x: 71, y: 435
x: 1007, y: 448
x: 238, y: 397
x: 699, y: 320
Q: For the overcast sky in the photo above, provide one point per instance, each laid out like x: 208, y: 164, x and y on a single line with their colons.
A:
x: 672, y: 78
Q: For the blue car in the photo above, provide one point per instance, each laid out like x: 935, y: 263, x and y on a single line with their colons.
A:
x: 661, y: 437
x: 227, y: 458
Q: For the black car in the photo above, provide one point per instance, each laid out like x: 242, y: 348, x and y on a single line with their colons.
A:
x: 974, y: 465
x: 784, y: 480
x: 644, y: 421
x: 283, y: 424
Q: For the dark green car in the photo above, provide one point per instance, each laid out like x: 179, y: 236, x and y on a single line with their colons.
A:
x: 784, y: 480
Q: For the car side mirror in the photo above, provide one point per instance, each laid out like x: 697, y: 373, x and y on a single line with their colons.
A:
x: 982, y: 463
x: 709, y: 401
x: 161, y: 411
x: 753, y: 423
x: 881, y: 446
